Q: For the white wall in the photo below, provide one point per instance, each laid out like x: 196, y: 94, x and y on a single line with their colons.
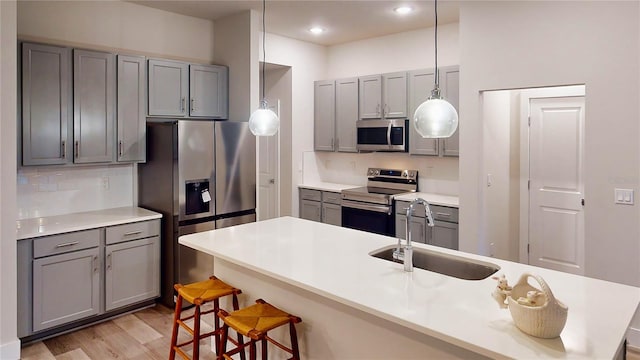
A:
x: 507, y: 45
x: 398, y: 52
x: 308, y: 63
x: 9, y: 343
x: 113, y: 25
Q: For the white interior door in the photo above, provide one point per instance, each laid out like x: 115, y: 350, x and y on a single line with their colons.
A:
x: 268, y: 170
x: 556, y: 195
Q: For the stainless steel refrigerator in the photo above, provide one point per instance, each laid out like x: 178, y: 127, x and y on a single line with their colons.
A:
x: 201, y: 175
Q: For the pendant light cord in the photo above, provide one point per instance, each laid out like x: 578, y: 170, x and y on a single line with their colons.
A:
x: 436, y: 42
x: 264, y: 52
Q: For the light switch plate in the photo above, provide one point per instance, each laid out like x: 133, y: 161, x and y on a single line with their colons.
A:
x: 623, y: 196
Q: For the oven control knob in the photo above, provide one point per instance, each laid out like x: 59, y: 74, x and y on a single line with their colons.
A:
x: 370, y: 172
x: 405, y: 173
x: 377, y: 173
x: 411, y: 174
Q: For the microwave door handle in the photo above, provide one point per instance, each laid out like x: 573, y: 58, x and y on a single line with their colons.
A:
x: 389, y: 135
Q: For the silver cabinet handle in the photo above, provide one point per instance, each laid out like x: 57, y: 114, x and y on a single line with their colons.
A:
x: 95, y: 263
x: 64, y: 149
x: 443, y: 214
x: 384, y: 110
x: 108, y: 261
x: 333, y: 144
x: 67, y: 244
x: 77, y: 149
x: 120, y: 148
x: 182, y: 104
x: 193, y: 106
x: 132, y: 233
x: 378, y: 109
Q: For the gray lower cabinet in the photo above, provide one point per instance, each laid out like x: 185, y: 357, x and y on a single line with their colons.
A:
x: 131, y: 120
x: 444, y: 233
x: 74, y: 276
x: 66, y: 278
x: 420, y: 84
x: 94, y: 77
x: 321, y: 206
x: 46, y: 104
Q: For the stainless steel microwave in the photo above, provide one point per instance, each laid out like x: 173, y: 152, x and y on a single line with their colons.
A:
x: 383, y: 135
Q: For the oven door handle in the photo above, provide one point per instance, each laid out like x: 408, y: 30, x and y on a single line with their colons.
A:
x: 366, y: 207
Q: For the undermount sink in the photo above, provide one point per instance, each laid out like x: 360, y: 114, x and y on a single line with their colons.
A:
x: 445, y: 264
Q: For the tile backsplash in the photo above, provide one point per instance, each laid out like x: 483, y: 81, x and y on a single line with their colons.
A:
x: 57, y: 191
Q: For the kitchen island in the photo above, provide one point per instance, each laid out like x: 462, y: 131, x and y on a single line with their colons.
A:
x: 356, y: 306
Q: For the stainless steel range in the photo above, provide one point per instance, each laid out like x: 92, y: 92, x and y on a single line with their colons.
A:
x: 370, y: 208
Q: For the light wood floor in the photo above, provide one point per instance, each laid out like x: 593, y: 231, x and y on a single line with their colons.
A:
x: 145, y: 334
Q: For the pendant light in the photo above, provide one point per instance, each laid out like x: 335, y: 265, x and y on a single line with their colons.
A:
x: 264, y: 122
x: 436, y: 117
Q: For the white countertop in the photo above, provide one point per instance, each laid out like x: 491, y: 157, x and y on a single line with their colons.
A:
x: 51, y: 225
x: 333, y: 262
x: 433, y: 199
x: 326, y: 186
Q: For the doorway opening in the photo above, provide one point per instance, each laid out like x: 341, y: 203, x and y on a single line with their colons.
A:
x: 533, y: 186
x: 274, y: 152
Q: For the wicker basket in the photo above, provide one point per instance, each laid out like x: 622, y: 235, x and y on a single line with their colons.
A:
x: 544, y: 321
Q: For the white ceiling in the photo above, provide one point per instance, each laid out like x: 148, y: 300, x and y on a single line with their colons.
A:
x: 344, y: 20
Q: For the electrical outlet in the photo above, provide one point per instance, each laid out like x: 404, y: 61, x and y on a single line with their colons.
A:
x: 105, y: 182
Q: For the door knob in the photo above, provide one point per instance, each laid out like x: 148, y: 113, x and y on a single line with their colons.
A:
x: 272, y: 181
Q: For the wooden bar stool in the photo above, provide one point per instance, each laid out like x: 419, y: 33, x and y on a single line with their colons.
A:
x: 200, y: 293
x: 255, y: 321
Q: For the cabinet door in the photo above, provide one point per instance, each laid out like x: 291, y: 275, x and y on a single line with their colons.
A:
x: 394, y: 95
x: 94, y: 92
x: 421, y: 83
x: 324, y: 115
x: 370, y: 96
x: 208, y: 91
x: 418, y: 226
x: 131, y: 108
x: 444, y: 234
x: 132, y: 272
x: 168, y: 86
x: 332, y: 214
x: 449, y: 84
x: 346, y: 114
x: 65, y: 288
x: 46, y: 113
x: 310, y: 210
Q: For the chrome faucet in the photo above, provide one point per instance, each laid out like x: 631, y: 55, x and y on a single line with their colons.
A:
x: 407, y: 255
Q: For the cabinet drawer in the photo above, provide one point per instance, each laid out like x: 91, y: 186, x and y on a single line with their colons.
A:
x: 58, y: 244
x: 132, y: 231
x: 444, y: 213
x: 331, y: 197
x: 314, y: 195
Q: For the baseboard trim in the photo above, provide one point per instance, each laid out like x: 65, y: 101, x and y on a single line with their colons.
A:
x: 10, y: 350
x: 633, y: 339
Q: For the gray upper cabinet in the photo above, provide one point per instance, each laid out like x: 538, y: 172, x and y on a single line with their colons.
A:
x: 383, y: 96
x: 94, y: 76
x: 449, y: 83
x: 421, y: 83
x: 346, y: 114
x: 131, y: 108
x: 370, y: 97
x: 324, y: 115
x: 46, y: 104
x: 168, y: 88
x: 208, y: 91
x: 394, y: 95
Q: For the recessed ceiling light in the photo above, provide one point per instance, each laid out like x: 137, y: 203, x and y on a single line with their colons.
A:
x: 403, y: 10
x: 316, y: 30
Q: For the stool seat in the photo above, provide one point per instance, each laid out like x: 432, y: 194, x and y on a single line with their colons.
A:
x: 204, y: 291
x: 255, y: 320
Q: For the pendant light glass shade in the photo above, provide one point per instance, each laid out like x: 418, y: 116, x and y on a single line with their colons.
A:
x: 264, y: 122
x: 435, y: 118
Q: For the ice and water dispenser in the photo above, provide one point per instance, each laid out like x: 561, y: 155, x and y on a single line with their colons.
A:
x: 198, y: 197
